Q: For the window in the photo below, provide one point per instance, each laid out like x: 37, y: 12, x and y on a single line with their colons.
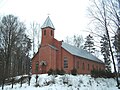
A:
x: 51, y: 32
x: 83, y: 66
x: 65, y: 62
x: 77, y: 63
x: 44, y: 32
x: 97, y: 67
x: 88, y: 66
x: 100, y: 69
x: 36, y: 66
x: 93, y: 67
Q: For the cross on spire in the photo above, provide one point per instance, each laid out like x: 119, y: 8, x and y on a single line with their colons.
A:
x: 48, y: 14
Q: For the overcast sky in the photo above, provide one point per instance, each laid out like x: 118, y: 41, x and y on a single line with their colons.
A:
x: 68, y: 16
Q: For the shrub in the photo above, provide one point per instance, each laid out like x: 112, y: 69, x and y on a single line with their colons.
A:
x: 56, y: 72
x: 60, y: 72
x: 50, y: 72
x: 74, y: 71
x: 37, y: 85
x: 102, y: 73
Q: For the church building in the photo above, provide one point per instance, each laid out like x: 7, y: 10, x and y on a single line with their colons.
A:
x: 54, y: 54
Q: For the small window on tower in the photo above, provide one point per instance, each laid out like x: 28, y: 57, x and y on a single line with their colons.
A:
x: 44, y: 32
x: 51, y: 32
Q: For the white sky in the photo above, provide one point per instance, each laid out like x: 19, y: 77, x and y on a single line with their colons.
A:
x: 68, y: 16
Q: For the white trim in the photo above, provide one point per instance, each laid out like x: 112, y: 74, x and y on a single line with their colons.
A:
x: 43, y: 62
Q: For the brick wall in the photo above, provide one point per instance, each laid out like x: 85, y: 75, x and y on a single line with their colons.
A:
x: 47, y: 54
x: 70, y: 61
x: 54, y: 58
x: 82, y: 65
x: 47, y: 38
x: 88, y: 65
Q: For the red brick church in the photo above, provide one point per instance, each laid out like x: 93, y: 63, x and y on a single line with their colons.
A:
x: 54, y: 54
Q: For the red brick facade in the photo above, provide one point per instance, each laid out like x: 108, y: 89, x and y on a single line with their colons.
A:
x: 51, y: 56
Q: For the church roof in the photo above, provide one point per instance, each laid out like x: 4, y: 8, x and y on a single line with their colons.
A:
x: 52, y: 47
x: 48, y: 23
x: 80, y: 52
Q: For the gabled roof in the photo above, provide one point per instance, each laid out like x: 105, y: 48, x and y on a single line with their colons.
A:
x: 48, y: 23
x: 80, y: 52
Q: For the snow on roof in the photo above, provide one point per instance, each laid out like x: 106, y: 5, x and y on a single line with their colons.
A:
x: 52, y: 47
x: 80, y: 52
x: 48, y: 23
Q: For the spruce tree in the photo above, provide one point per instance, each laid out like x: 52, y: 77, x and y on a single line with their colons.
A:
x: 117, y: 47
x: 105, y: 51
x: 89, y: 44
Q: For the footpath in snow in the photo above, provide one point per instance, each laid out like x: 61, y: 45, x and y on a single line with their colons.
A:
x: 65, y: 82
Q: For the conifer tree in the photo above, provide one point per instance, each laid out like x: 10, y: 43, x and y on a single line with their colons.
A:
x: 89, y: 44
x: 116, y: 44
x: 105, y: 16
x: 105, y: 51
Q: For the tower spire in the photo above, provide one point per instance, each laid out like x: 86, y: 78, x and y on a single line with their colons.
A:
x: 48, y: 23
x: 47, y: 32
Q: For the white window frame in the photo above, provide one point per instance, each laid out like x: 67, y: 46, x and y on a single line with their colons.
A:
x: 65, y: 62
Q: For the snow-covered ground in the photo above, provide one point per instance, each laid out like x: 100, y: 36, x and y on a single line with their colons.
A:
x: 66, y: 82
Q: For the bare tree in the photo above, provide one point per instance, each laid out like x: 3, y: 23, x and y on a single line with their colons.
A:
x: 36, y: 35
x: 76, y: 40
x: 68, y: 40
x: 105, y: 18
x: 14, y: 46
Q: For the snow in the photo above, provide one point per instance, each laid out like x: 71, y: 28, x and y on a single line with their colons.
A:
x: 66, y: 82
x: 80, y: 52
